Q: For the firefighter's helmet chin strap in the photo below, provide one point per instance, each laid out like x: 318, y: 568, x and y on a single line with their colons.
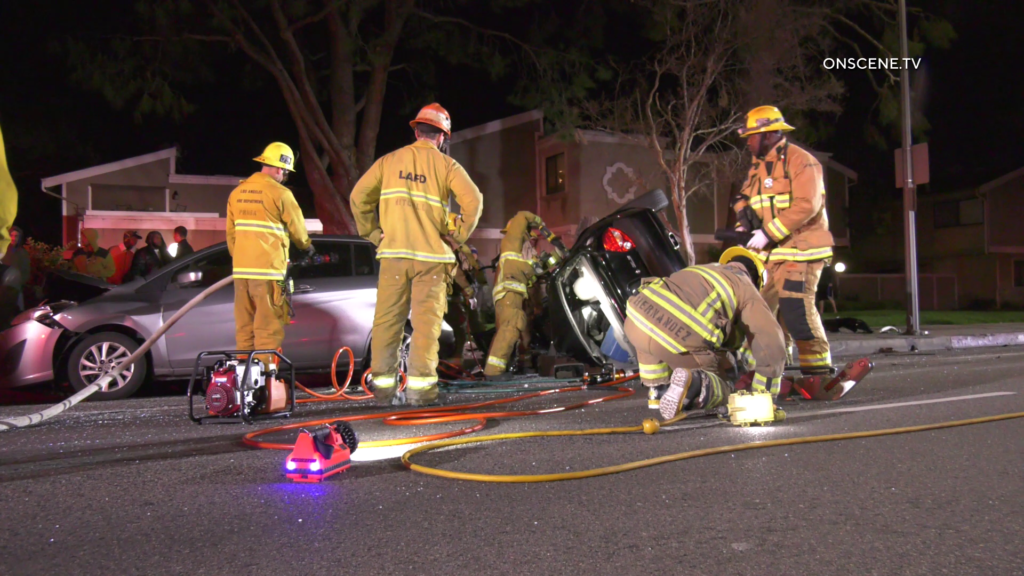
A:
x: 443, y: 147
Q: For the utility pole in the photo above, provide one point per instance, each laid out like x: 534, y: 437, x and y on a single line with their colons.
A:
x: 909, y: 193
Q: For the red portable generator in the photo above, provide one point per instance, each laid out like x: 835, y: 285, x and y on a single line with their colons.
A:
x: 239, y: 388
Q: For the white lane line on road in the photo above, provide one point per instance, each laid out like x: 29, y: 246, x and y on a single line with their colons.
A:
x: 792, y: 415
x: 898, y: 404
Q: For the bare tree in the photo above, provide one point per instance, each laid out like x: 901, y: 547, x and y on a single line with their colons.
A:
x: 711, y: 60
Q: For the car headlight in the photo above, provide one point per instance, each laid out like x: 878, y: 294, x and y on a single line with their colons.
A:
x: 43, y: 315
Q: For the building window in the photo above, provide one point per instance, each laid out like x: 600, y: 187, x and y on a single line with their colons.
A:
x: 555, y: 173
x: 1018, y: 273
x: 959, y: 213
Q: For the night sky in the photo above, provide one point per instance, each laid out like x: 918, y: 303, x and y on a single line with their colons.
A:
x: 51, y: 125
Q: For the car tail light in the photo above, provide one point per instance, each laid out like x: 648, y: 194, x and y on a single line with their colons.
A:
x: 615, y: 240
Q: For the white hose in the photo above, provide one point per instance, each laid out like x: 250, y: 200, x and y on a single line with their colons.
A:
x: 104, y: 381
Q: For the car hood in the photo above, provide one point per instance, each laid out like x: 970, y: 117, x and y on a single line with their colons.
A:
x: 65, y: 285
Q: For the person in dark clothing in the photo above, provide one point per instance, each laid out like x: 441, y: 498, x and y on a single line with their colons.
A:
x: 151, y: 257
x: 15, y: 269
x: 181, y: 237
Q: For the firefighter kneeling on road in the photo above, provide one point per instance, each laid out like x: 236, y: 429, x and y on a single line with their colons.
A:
x: 262, y: 217
x: 516, y: 273
x: 410, y: 187
x: 786, y: 190
x: 683, y: 326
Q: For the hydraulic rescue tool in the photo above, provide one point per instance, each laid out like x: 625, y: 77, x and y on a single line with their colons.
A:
x: 820, y: 388
x: 240, y: 388
x: 321, y: 454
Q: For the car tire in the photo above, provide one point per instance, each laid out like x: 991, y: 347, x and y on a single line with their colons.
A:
x: 92, y: 357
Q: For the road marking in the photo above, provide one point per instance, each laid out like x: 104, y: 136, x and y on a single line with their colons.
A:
x: 899, y: 404
x: 792, y: 415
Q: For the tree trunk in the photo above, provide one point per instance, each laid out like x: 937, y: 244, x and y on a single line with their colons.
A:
x: 330, y: 202
x: 684, y: 230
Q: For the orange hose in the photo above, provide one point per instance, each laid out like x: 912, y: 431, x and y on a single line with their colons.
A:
x: 339, y: 390
x: 442, y: 415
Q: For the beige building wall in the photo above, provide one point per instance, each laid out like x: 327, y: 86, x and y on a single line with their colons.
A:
x: 503, y: 165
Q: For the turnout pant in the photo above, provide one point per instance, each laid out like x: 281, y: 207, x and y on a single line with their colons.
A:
x: 658, y: 362
x: 510, y: 324
x: 458, y: 319
x: 790, y: 292
x: 405, y: 285
x: 261, y: 313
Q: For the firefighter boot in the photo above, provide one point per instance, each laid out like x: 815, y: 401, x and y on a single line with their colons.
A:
x: 385, y: 391
x: 686, y: 385
x: 422, y: 395
x: 654, y: 394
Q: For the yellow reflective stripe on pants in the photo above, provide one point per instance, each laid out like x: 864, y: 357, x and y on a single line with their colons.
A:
x: 824, y: 359
x: 658, y: 336
x: 764, y: 383
x: 386, y: 381
x: 414, y: 196
x: 258, y: 273
x: 792, y: 254
x: 682, y: 311
x: 413, y: 255
x: 417, y: 382
x: 654, y: 371
x: 495, y: 361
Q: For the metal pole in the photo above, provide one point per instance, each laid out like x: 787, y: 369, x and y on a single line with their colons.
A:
x: 909, y: 195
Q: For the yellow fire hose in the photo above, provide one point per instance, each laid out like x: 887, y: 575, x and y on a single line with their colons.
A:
x: 650, y: 427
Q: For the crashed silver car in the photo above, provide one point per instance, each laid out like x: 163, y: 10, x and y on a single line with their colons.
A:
x: 98, y: 325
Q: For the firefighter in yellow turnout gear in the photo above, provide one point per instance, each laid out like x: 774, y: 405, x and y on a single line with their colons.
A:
x: 683, y: 326
x: 263, y: 218
x: 516, y: 273
x: 410, y: 188
x: 786, y: 189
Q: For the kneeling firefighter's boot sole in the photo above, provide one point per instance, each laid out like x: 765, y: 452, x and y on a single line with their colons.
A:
x: 422, y: 396
x: 674, y: 399
x: 654, y: 394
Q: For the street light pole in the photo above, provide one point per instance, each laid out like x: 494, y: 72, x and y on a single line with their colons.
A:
x: 909, y: 193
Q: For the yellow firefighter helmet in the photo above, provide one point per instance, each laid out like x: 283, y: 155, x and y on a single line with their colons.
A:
x: 278, y: 155
x: 764, y: 119
x: 749, y: 260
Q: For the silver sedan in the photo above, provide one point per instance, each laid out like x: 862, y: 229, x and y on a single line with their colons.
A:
x: 333, y: 302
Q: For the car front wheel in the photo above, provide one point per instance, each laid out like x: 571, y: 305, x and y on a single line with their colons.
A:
x: 98, y: 355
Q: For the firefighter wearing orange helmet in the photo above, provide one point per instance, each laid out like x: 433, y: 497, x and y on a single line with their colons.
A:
x: 401, y: 205
x: 786, y: 189
x: 263, y: 218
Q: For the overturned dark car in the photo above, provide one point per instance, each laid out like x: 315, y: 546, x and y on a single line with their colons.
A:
x: 587, y: 293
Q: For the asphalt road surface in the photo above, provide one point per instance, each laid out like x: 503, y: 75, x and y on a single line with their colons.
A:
x: 133, y: 487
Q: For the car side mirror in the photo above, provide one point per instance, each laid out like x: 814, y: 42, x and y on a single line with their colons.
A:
x: 188, y: 277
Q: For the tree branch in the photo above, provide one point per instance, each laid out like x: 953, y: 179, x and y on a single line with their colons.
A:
x: 331, y: 7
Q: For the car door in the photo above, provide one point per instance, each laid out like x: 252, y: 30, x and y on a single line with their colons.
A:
x: 333, y: 302
x: 210, y: 325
